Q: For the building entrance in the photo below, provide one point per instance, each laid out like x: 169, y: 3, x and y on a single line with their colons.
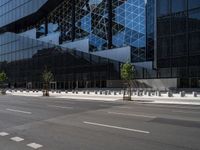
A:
x: 53, y: 85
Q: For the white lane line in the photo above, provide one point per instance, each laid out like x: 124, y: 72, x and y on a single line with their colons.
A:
x: 3, y: 134
x: 19, y: 111
x: 116, y: 127
x: 134, y: 115
x: 182, y: 111
x: 124, y: 107
x: 34, y: 145
x: 17, y: 139
x: 63, y: 107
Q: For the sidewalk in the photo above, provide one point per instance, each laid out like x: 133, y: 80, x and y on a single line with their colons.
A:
x: 170, y: 100
x: 176, y: 99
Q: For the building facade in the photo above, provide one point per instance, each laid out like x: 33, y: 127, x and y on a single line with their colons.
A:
x: 178, y: 41
x: 83, y: 42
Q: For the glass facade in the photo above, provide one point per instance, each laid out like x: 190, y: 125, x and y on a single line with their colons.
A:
x: 13, y: 10
x: 25, y: 59
x: 178, y: 38
x: 164, y: 31
x: 150, y: 29
x: 106, y: 23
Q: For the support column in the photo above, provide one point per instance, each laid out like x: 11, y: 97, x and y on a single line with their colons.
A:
x: 73, y: 20
x: 46, y: 26
x: 110, y: 22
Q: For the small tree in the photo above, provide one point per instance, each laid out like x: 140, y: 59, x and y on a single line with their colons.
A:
x: 127, y: 74
x: 47, y: 77
x: 3, y: 78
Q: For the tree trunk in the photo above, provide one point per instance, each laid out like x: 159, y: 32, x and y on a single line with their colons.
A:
x: 46, y: 89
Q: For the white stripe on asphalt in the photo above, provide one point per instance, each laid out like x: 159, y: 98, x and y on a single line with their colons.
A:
x: 124, y: 107
x: 3, y: 134
x: 182, y: 111
x: 116, y: 127
x: 34, y: 145
x: 17, y: 139
x: 61, y: 107
x: 19, y: 111
x: 134, y: 115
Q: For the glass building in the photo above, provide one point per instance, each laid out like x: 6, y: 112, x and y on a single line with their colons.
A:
x: 178, y: 41
x: 83, y: 42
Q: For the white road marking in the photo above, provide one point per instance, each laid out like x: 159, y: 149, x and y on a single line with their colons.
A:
x: 134, y: 115
x: 182, y: 111
x: 63, y: 107
x: 124, y: 107
x: 3, y: 134
x: 116, y: 127
x: 17, y: 139
x: 19, y: 111
x: 34, y: 145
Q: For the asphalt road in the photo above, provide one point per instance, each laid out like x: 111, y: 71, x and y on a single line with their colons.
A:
x: 28, y: 123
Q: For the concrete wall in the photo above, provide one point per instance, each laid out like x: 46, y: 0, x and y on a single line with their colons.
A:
x: 160, y: 84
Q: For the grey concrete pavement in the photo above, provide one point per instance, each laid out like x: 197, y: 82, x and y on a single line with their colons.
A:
x: 56, y: 124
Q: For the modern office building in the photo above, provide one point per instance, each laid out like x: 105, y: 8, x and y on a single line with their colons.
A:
x: 83, y: 42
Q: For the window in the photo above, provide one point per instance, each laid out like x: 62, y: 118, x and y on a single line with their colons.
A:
x: 178, y: 5
x: 193, y: 4
x: 194, y: 20
x: 163, y: 7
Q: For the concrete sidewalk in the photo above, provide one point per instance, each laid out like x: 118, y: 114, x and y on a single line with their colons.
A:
x: 176, y: 99
x: 170, y: 100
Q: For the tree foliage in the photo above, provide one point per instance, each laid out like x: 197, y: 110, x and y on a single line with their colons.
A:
x: 47, y: 76
x: 127, y: 71
x: 3, y: 77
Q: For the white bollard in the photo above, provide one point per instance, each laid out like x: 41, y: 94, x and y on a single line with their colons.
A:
x: 139, y: 93
x: 169, y: 94
x: 109, y: 92
x: 148, y: 93
x: 182, y: 94
x: 106, y: 93
x: 194, y: 94
x: 158, y: 93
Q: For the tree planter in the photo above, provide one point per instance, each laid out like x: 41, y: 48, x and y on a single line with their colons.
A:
x: 127, y: 98
x: 46, y: 93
